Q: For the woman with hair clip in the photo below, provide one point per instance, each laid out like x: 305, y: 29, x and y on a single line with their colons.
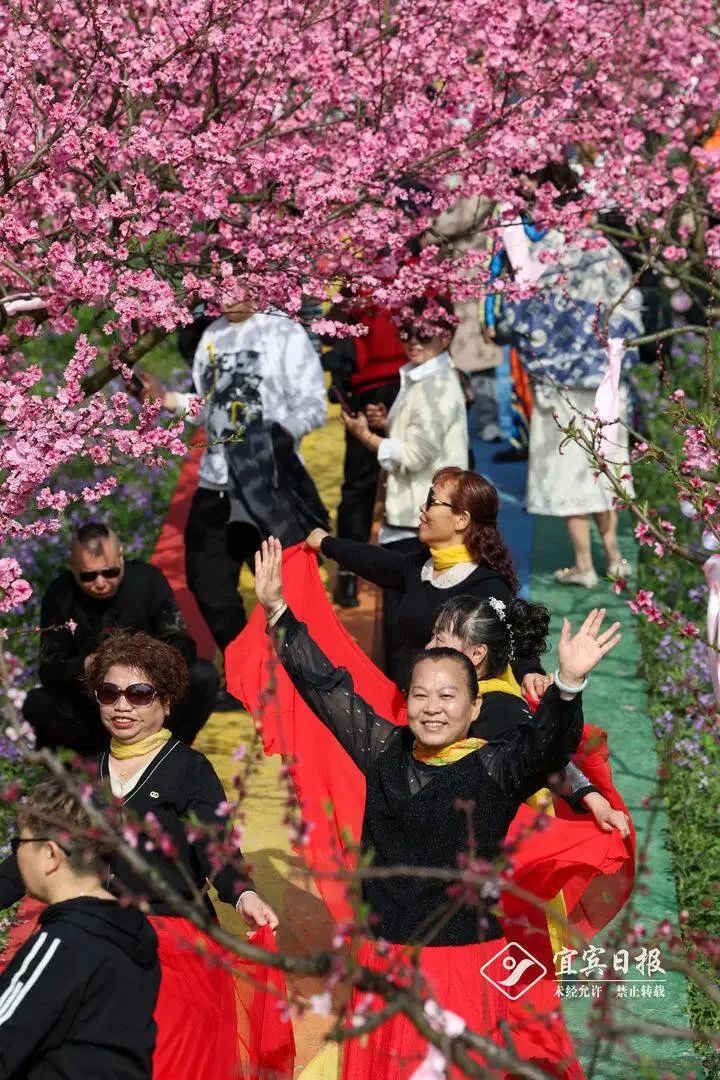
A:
x: 489, y: 632
x: 467, y: 556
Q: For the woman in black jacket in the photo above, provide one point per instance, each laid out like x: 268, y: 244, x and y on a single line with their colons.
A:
x: 136, y: 679
x: 467, y: 556
x: 433, y: 796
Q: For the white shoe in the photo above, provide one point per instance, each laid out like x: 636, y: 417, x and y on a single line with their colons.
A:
x: 621, y: 568
x: 570, y: 575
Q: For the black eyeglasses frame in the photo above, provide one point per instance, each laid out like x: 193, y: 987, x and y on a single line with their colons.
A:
x: 433, y: 501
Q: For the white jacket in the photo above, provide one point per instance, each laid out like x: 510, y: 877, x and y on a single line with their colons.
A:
x: 427, y: 430
x: 263, y: 369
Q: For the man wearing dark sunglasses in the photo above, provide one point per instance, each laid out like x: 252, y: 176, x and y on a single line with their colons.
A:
x: 101, y: 591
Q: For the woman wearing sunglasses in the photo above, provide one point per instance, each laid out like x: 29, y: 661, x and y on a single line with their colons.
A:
x: 136, y: 679
x: 467, y: 556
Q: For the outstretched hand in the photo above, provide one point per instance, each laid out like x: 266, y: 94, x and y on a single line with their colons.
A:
x: 268, y: 574
x: 580, y: 653
x: 606, y: 818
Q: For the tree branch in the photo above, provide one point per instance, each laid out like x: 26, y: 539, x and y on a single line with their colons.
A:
x: 130, y: 357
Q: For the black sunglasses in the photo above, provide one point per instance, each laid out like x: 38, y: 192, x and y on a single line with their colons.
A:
x: 410, y: 332
x: 432, y: 500
x: 138, y: 695
x: 16, y: 841
x: 110, y: 572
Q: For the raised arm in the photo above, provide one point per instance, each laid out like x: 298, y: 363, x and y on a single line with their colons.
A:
x: 369, y: 561
x: 328, y: 691
x: 544, y: 745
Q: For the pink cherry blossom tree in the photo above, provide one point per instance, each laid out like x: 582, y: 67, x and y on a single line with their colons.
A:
x: 152, y: 159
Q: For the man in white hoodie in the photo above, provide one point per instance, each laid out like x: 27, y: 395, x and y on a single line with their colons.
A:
x: 262, y: 385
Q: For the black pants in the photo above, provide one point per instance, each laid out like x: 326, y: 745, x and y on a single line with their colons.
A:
x: 214, y: 553
x: 73, y: 720
x: 361, y: 473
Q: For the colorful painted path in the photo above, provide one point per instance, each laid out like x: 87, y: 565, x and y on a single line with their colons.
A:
x: 615, y: 701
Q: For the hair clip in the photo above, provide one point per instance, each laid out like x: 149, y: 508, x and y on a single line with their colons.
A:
x: 498, y: 607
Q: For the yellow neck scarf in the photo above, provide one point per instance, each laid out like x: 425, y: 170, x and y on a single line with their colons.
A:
x: 505, y: 683
x: 444, y: 558
x: 446, y: 755
x: 122, y: 750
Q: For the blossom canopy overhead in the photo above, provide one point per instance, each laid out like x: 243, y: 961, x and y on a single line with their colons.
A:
x: 156, y: 156
x: 153, y: 156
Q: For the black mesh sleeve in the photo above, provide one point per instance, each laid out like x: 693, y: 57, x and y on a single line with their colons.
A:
x: 541, y: 747
x: 330, y: 693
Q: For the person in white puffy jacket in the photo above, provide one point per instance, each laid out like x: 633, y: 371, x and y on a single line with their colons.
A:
x: 426, y: 428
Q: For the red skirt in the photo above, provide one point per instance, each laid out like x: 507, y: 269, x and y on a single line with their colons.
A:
x: 218, y: 1017
x: 458, y: 978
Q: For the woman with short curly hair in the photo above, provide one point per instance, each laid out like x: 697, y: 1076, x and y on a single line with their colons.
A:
x: 163, y: 664
x: 136, y: 679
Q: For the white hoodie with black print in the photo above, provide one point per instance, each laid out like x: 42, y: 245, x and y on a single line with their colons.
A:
x: 265, y: 368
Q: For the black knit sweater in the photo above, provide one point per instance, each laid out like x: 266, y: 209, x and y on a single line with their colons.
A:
x: 412, y: 814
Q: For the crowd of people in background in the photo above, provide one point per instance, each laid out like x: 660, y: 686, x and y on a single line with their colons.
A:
x: 123, y: 687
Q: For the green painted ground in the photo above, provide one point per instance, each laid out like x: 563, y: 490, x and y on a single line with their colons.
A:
x: 615, y: 700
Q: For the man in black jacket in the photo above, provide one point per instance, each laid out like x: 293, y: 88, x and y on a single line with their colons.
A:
x: 100, y: 591
x: 77, y: 1001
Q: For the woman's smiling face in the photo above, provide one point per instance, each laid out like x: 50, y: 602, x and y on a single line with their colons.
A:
x: 129, y: 723
x: 440, y: 708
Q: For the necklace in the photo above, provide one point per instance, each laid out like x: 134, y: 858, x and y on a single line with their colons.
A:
x: 126, y: 769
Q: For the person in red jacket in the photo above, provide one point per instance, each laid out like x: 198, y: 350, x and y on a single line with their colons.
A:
x: 365, y: 372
